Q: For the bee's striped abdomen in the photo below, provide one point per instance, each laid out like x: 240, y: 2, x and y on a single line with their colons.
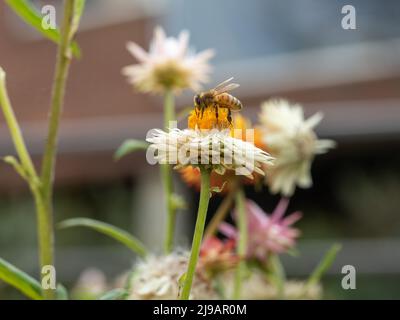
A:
x: 225, y: 100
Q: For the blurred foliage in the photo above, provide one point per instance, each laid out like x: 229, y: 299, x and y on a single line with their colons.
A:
x: 367, y: 287
x: 371, y: 199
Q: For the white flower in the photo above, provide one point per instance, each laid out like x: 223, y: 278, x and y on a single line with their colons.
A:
x: 212, y: 148
x: 168, y: 65
x: 157, y: 278
x: 91, y: 284
x: 296, y: 289
x: 291, y: 140
x: 256, y: 287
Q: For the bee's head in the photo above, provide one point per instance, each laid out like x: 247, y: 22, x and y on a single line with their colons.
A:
x: 197, y: 101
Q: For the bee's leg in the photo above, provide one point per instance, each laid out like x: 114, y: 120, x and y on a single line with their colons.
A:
x: 216, y: 111
x: 229, y: 116
x: 202, y: 111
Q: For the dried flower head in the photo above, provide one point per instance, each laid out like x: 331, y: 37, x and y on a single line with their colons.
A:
x: 169, y: 64
x: 266, y: 233
x: 91, y: 284
x: 240, y: 129
x: 256, y: 287
x: 291, y: 140
x: 214, y: 149
x: 157, y: 278
x: 296, y: 289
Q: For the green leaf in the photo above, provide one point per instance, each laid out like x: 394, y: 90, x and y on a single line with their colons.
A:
x: 324, y: 264
x: 128, y: 283
x: 30, y: 15
x: 61, y: 292
x: 218, y: 189
x: 178, y: 202
x: 78, y: 11
x: 130, y: 146
x: 116, y: 233
x: 182, y: 279
x: 20, y: 280
x: 115, y: 294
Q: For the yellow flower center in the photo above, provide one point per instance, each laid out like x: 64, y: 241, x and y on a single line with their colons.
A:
x: 171, y: 75
x: 208, y: 119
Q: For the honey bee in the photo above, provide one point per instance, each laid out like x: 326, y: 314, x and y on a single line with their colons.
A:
x: 218, y: 98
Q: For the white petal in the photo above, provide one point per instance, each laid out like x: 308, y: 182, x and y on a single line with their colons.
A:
x: 183, y: 41
x: 158, y: 43
x: 314, y: 120
x: 137, y: 52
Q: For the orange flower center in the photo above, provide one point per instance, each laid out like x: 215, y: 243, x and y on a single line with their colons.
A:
x: 208, y: 119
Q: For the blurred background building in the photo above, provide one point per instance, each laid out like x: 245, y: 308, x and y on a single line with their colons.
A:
x: 296, y: 50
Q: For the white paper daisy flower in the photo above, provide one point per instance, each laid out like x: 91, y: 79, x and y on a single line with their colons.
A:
x: 291, y: 140
x: 158, y: 277
x: 169, y: 64
x: 214, y: 149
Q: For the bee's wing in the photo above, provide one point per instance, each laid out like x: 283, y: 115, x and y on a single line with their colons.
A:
x: 228, y: 87
x: 223, y: 84
x: 224, y: 87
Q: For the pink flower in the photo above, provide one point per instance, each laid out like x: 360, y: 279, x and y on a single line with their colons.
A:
x: 217, y: 255
x: 266, y: 233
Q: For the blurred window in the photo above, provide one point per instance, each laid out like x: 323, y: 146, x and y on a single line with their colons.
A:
x: 98, y: 13
x: 247, y: 29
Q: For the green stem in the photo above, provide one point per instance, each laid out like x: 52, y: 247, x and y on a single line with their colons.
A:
x: 166, y: 174
x: 242, y: 245
x: 169, y: 108
x: 43, y: 197
x: 45, y: 236
x: 14, y: 128
x: 277, y: 276
x: 198, y: 232
x: 64, y: 58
